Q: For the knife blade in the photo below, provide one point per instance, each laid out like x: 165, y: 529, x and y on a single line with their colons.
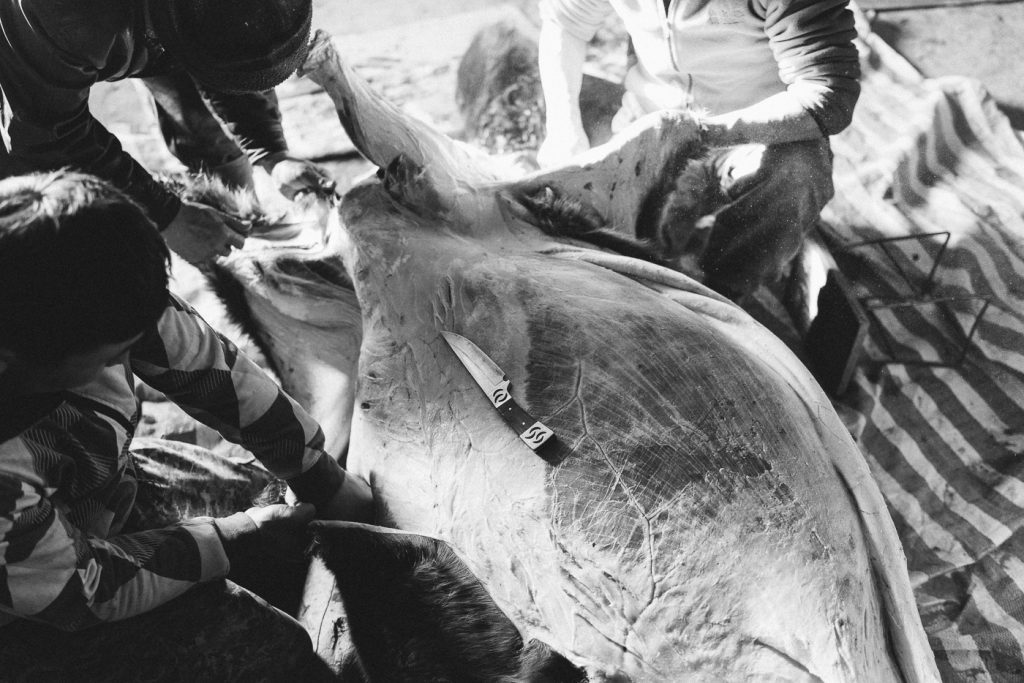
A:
x: 495, y: 384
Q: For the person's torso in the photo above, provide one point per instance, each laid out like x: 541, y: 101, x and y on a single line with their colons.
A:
x: 77, y: 451
x: 709, y: 54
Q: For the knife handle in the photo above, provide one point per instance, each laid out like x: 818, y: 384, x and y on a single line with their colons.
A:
x: 533, y: 432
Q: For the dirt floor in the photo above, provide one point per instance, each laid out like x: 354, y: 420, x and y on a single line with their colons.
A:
x: 409, y: 51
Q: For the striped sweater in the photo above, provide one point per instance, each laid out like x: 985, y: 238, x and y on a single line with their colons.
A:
x: 67, y: 482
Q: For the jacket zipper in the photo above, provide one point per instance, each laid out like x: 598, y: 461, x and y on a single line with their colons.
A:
x: 667, y: 31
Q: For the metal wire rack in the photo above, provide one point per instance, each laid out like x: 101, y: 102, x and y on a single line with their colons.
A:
x: 911, y: 290
x: 861, y: 290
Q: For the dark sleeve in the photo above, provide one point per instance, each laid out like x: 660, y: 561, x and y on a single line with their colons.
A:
x: 253, y: 119
x: 812, y: 41
x: 45, y: 75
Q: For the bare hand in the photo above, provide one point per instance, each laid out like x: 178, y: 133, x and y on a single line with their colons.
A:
x: 293, y: 176
x: 560, y: 146
x: 199, y: 233
x: 352, y: 503
x: 283, y: 527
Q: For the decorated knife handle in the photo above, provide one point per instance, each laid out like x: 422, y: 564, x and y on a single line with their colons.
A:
x: 533, y: 432
x: 500, y: 395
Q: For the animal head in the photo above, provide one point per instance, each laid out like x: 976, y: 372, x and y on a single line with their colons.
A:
x: 417, y: 613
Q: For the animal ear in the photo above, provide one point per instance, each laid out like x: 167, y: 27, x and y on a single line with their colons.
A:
x: 618, y: 179
x: 416, y: 612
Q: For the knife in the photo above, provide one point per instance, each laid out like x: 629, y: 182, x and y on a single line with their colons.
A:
x: 495, y: 383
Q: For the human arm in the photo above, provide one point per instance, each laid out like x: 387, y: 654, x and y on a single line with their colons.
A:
x: 49, y: 58
x: 198, y: 233
x: 211, y: 380
x: 566, y: 28
x: 812, y: 41
x: 61, y: 574
x: 254, y: 120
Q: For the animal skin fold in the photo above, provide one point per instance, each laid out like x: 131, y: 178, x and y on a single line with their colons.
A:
x: 711, y: 520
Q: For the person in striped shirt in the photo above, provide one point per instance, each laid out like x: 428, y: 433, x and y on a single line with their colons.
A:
x: 770, y: 80
x: 84, y: 309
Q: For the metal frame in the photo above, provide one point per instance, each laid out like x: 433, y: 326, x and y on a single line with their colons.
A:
x: 920, y: 295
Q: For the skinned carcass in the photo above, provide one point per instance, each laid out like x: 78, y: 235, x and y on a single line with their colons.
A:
x: 709, y: 518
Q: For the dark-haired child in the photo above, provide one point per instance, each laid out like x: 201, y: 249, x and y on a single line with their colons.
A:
x: 84, y: 309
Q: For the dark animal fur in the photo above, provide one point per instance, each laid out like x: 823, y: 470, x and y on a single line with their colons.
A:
x: 673, y: 215
x: 271, y: 494
x: 560, y: 216
x: 232, y: 294
x: 242, y: 204
x: 416, y: 613
x: 204, y: 189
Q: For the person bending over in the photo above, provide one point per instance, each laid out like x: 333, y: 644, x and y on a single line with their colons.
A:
x: 201, y: 59
x: 90, y: 532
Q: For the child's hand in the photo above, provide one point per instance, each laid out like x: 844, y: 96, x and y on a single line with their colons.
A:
x: 283, y: 527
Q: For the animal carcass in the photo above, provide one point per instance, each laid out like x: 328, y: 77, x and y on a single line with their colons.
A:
x: 709, y: 517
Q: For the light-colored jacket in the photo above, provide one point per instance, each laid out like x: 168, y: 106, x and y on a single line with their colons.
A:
x: 724, y: 55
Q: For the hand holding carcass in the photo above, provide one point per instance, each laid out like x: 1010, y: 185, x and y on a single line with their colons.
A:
x: 292, y: 176
x: 200, y: 233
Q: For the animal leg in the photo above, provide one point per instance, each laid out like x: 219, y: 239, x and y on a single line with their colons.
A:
x: 382, y: 132
x: 626, y: 179
x: 417, y: 613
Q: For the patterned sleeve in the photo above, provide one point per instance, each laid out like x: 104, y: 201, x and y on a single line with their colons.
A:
x: 812, y: 41
x: 579, y: 18
x: 212, y: 381
x: 53, y: 572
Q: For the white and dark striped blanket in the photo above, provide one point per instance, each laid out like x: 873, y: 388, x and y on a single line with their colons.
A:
x: 946, y: 444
